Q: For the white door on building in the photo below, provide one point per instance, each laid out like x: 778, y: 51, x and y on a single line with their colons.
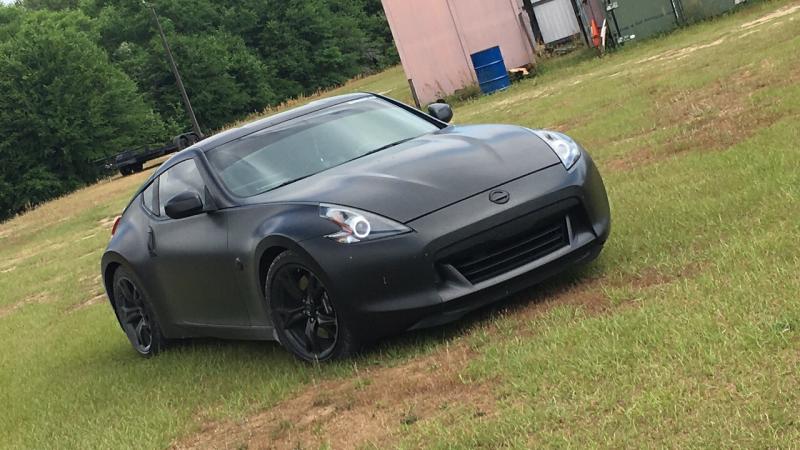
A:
x: 556, y: 19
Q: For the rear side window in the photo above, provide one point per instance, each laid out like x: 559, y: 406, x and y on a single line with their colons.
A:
x: 179, y: 178
x: 149, y: 199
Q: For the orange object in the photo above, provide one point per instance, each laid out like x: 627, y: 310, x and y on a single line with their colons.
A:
x: 595, y: 34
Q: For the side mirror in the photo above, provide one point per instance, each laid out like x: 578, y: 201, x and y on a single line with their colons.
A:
x: 183, y: 205
x: 441, y: 111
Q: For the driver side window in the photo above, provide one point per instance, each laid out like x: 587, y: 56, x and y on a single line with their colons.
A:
x: 180, y: 178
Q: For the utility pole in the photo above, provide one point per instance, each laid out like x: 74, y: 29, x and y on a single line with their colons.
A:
x: 178, y: 80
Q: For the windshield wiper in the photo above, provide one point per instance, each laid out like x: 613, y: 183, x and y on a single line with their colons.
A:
x: 288, y: 182
x: 387, y: 146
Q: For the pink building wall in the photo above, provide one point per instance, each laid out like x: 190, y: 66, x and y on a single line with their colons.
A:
x: 435, y: 39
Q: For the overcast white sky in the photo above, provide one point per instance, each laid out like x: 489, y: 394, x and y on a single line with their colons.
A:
x: 6, y: 2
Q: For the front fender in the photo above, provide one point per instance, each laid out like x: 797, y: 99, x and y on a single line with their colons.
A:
x: 258, y: 233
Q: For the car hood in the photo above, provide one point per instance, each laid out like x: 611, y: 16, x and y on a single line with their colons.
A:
x: 424, y: 174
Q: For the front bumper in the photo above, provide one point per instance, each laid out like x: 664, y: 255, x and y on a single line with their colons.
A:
x: 468, y: 254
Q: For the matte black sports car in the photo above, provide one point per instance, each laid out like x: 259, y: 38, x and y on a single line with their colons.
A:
x: 345, y: 220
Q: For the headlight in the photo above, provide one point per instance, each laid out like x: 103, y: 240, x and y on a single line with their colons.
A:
x: 567, y: 150
x: 357, y: 226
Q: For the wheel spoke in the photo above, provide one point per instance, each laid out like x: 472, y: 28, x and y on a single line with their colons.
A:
x: 137, y: 296
x: 129, y: 315
x: 325, y: 320
x: 293, y: 316
x: 139, y: 329
x: 312, y: 340
x: 125, y: 290
x: 326, y: 304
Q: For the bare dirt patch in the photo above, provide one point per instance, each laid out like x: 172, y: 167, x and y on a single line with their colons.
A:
x: 95, y: 300
x: 370, y: 409
x: 40, y: 298
x: 714, y: 117
x: 590, y: 295
x: 680, y: 53
x: 632, y: 160
x: 782, y: 12
x: 587, y: 295
x: 31, y: 252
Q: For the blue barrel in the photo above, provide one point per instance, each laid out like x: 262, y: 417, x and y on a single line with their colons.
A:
x: 491, y: 70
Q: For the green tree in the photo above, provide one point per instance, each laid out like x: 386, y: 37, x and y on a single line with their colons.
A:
x: 63, y: 105
x: 310, y: 47
x: 224, y: 78
x: 82, y: 79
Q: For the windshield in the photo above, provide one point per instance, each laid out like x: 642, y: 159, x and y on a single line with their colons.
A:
x: 310, y: 144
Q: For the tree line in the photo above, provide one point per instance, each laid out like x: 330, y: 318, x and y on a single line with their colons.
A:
x: 84, y: 79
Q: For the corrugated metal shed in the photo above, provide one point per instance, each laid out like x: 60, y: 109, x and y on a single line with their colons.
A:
x: 556, y: 19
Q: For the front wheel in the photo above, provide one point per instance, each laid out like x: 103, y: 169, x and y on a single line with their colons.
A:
x: 303, y: 314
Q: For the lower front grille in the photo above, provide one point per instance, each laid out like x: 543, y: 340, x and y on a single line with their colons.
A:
x: 497, y: 256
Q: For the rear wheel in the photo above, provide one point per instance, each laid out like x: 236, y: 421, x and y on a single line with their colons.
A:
x: 135, y: 315
x: 303, y: 313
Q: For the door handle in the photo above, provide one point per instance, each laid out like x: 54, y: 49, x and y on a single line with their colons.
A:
x: 151, y: 242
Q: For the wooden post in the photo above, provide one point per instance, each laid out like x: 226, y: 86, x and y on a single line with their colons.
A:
x: 414, y: 93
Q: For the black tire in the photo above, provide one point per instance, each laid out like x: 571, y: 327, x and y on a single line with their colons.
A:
x: 303, y: 313
x: 125, y: 171
x: 136, y: 316
x: 138, y: 167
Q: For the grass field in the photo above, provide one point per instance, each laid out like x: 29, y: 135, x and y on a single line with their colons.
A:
x: 684, y: 333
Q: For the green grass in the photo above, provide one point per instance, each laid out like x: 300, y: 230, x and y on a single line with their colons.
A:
x: 698, y: 346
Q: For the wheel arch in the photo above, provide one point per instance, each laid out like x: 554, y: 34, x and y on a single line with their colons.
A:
x: 108, y: 281
x: 268, y: 250
x: 112, y: 261
x: 265, y: 261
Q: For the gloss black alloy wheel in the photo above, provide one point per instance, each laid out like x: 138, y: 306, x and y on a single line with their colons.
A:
x: 135, y: 316
x: 303, y: 313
